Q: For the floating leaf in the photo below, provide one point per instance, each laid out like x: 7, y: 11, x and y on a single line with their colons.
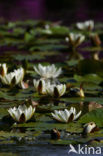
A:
x: 95, y: 115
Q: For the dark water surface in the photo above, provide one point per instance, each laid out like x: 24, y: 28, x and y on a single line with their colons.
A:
x: 66, y: 10
x: 33, y: 150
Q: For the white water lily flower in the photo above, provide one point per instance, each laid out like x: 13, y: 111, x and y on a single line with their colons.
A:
x: 41, y: 85
x: 22, y: 113
x: 56, y: 90
x: 14, y: 77
x: 87, y: 25
x: 66, y: 115
x: 49, y: 71
x: 76, y: 39
x: 3, y: 69
x: 19, y: 75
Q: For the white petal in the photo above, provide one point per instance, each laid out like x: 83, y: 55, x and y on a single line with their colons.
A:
x: 77, y: 116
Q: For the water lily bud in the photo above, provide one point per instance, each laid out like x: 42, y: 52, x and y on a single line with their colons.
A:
x: 77, y: 92
x: 3, y: 69
x: 75, y: 39
x: 55, y: 134
x: 95, y: 39
x: 90, y: 128
x: 81, y: 93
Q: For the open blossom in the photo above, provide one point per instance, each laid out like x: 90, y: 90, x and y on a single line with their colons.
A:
x: 47, y: 72
x: 3, y: 69
x: 41, y: 85
x: 22, y: 113
x: 87, y: 25
x: 66, y: 115
x: 56, y: 90
x: 75, y: 39
x: 13, y: 77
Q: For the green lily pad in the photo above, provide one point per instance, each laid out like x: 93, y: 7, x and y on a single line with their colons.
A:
x: 93, y: 78
x: 95, y: 115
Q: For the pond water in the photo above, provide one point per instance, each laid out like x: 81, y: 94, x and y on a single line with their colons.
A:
x: 39, y: 151
x: 66, y: 11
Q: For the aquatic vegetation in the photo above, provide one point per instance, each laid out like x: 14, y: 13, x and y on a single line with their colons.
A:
x: 75, y: 39
x: 24, y: 85
x: 90, y: 128
x: 49, y: 71
x: 77, y: 91
x: 47, y: 30
x: 55, y: 134
x: 56, y: 90
x: 54, y: 75
x: 87, y: 25
x: 3, y: 69
x: 41, y: 85
x: 95, y: 39
x: 22, y: 113
x: 13, y: 78
x: 66, y: 116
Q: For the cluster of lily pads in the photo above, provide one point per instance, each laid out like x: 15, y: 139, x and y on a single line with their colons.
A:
x: 79, y: 33
x: 47, y: 36
x: 76, y: 39
x: 60, y: 94
x: 43, y: 86
x: 87, y: 25
x: 47, y: 85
